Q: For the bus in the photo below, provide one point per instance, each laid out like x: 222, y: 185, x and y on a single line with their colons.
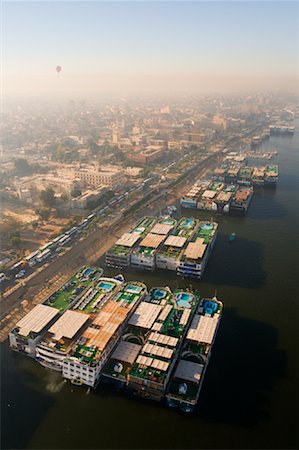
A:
x: 64, y: 240
x: 18, y: 266
x: 72, y: 231
x: 43, y: 256
x: 31, y: 259
x: 83, y: 224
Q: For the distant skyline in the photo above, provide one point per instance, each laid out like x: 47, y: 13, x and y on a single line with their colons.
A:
x: 148, y: 45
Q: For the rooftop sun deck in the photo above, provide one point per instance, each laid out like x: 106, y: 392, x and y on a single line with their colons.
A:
x: 185, y: 227
x: 187, y: 376
x: 157, y: 328
x: 144, y: 225
x: 196, y: 248
x: 74, y: 288
x: 107, y: 322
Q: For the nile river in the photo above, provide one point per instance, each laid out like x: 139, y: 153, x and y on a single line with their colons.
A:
x: 250, y: 394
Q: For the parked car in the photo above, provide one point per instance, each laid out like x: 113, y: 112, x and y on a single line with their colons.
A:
x: 20, y: 274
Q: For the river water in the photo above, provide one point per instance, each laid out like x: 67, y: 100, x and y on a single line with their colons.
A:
x: 250, y: 394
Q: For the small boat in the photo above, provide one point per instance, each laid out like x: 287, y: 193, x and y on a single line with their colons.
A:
x: 232, y: 237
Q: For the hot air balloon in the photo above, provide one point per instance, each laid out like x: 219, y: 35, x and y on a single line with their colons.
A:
x: 58, y: 69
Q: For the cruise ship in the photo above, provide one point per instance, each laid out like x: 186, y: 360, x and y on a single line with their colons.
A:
x: 244, y: 176
x: 164, y: 246
x: 168, y: 256
x: 145, y: 357
x: 281, y: 130
x: 207, y: 198
x: 271, y: 175
x: 190, y: 199
x: 196, y: 255
x: 210, y: 196
x: 216, y: 197
x: 188, y: 375
x: 30, y: 330
x: 119, y: 256
x: 224, y: 198
x: 87, y: 358
x: 232, y: 173
x: 241, y: 201
x: 155, y: 345
x: 258, y: 176
x: 60, y: 339
x: 143, y: 255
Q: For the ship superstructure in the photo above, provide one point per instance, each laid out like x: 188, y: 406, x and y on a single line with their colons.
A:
x: 61, y: 338
x: 29, y: 331
x: 168, y: 257
x: 84, y: 363
x: 143, y: 360
x: 191, y: 198
x: 196, y: 254
x: 241, y: 200
x: 143, y: 255
x: 188, y: 375
x: 258, y: 176
x: 271, y: 175
x: 119, y: 256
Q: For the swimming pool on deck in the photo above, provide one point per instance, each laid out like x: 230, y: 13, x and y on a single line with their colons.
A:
x: 210, y: 307
x: 207, y: 227
x: 183, y: 300
x: 106, y: 286
x: 188, y: 223
x: 158, y: 294
x: 133, y: 289
x: 87, y: 272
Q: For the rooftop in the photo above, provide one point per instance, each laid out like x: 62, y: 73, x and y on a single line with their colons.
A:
x: 160, y: 228
x: 243, y: 194
x: 209, y: 194
x: 175, y: 241
x: 68, y: 325
x: 145, y: 315
x: 126, y: 352
x: 189, y: 371
x: 36, y: 319
x: 203, y: 328
x: 113, y: 313
x: 152, y: 240
x: 224, y: 196
x: 74, y: 288
x: 128, y: 239
x: 195, y: 250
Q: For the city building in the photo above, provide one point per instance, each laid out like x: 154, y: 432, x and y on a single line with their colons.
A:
x: 105, y: 177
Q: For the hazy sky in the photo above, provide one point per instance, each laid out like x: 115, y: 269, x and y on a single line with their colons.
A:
x: 152, y: 45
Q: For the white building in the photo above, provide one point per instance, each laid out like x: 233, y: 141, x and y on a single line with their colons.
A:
x: 108, y: 177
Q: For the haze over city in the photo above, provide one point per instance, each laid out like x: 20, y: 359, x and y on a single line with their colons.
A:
x: 149, y: 193
x: 148, y: 47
